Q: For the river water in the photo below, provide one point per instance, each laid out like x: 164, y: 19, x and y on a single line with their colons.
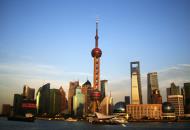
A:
x: 82, y: 125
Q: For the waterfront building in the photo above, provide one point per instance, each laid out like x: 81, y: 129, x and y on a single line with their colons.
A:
x: 173, y: 90
x: 104, y: 85
x: 106, y: 105
x: 17, y: 102
x: 168, y: 111
x: 177, y: 101
x: 136, y: 92
x: 78, y: 102
x: 144, y: 111
x: 71, y: 93
x: 127, y: 100
x: 28, y: 92
x: 153, y: 94
x: 187, y: 99
x: 156, y: 98
x: 63, y: 100
x: 86, y: 90
x: 28, y: 106
x: 43, y: 99
x: 96, y: 94
x: 6, y: 109
x: 55, y: 102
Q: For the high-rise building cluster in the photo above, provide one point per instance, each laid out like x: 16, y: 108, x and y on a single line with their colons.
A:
x: 177, y: 105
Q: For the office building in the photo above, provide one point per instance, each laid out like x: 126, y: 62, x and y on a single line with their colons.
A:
x: 63, y: 100
x: 55, y: 102
x: 136, y: 92
x: 71, y: 93
x: 78, y: 102
x: 106, y: 105
x: 28, y: 106
x: 173, y: 90
x: 187, y: 99
x: 153, y: 93
x: 86, y: 90
x: 6, y: 109
x: 144, y: 111
x: 43, y: 99
x: 156, y: 98
x: 17, y: 103
x: 177, y: 101
x: 127, y: 100
x: 104, y: 85
x: 28, y: 92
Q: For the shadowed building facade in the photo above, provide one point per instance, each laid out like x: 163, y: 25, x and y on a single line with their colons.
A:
x: 153, y: 93
x: 173, y: 90
x: 104, y: 85
x: 106, y: 105
x: 187, y: 99
x: 78, y: 102
x: 86, y: 90
x: 63, y: 100
x: 43, y: 99
x: 28, y: 92
x: 136, y: 92
x: 55, y: 102
x: 71, y: 93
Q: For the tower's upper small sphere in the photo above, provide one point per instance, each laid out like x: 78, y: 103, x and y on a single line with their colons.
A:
x: 96, y: 52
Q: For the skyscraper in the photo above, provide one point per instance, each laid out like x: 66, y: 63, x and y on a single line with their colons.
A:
x: 28, y: 92
x: 127, y: 100
x: 96, y: 54
x: 78, y: 102
x: 63, y: 100
x: 104, y: 84
x: 177, y: 101
x: 71, y: 93
x: 153, y: 93
x: 86, y: 90
x: 136, y: 92
x: 106, y: 105
x: 55, y: 101
x: 187, y: 99
x: 173, y: 90
x: 43, y: 99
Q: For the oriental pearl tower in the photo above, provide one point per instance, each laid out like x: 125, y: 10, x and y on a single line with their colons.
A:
x: 96, y: 94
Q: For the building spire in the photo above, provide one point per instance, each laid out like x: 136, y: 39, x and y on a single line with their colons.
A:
x: 96, y: 37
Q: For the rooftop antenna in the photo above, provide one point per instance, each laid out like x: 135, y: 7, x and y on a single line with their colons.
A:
x: 96, y: 37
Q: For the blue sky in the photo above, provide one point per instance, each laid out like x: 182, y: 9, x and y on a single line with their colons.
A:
x: 51, y: 40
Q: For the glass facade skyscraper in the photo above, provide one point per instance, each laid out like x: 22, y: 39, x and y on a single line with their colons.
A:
x: 136, y: 92
x: 153, y: 93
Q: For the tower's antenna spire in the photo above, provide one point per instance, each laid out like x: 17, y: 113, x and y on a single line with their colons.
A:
x: 96, y: 37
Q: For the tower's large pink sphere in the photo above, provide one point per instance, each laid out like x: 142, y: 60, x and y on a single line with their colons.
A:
x: 96, y: 52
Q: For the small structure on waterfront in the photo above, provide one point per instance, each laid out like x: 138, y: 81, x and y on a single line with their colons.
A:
x: 168, y: 111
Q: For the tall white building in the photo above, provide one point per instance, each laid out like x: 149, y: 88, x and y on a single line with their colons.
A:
x: 136, y: 92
